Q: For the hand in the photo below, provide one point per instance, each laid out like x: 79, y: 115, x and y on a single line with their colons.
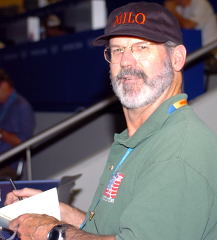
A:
x: 24, y: 193
x: 33, y: 226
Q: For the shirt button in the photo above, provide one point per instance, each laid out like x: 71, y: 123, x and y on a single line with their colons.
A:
x: 111, y: 167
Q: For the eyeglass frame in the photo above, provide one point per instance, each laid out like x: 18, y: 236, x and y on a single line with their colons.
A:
x: 169, y: 45
x: 122, y: 49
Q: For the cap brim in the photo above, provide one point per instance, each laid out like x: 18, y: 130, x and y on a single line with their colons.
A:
x: 104, y: 39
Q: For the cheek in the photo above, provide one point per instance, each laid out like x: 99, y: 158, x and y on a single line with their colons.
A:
x: 151, y: 66
x: 114, y: 70
x: 147, y: 67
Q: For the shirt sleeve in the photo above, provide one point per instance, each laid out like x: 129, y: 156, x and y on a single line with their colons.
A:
x: 25, y: 122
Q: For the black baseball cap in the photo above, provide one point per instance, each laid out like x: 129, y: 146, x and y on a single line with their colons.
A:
x: 147, y: 20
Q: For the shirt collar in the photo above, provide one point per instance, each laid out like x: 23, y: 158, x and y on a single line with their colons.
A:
x: 153, y: 123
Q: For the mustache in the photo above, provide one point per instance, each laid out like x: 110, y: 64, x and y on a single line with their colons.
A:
x: 131, y: 72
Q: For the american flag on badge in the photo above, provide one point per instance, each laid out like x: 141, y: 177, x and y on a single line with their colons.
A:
x: 111, y: 191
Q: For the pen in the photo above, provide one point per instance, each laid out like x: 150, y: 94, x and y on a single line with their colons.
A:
x: 14, y: 187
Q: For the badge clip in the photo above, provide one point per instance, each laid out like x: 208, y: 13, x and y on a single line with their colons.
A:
x: 92, y: 213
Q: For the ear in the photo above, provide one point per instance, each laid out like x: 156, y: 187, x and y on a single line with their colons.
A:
x: 179, y: 57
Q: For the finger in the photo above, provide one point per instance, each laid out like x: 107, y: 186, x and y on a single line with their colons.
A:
x: 24, y: 193
x: 10, y: 198
x: 16, y: 222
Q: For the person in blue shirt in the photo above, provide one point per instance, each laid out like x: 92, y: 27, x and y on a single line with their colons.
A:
x: 17, y: 121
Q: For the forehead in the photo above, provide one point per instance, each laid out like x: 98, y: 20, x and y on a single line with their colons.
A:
x: 126, y: 40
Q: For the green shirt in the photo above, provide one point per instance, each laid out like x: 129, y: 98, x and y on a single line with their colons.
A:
x: 166, y: 188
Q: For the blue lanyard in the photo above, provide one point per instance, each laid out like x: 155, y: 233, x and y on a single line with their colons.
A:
x: 129, y: 150
x: 92, y: 213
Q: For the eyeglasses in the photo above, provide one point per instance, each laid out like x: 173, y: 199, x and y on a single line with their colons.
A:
x: 7, y: 234
x: 139, y: 50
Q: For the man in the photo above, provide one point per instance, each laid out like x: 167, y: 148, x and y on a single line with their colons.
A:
x: 17, y: 121
x: 160, y: 180
x: 195, y: 14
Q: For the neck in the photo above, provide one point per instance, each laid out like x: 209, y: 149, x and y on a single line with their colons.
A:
x: 136, y: 117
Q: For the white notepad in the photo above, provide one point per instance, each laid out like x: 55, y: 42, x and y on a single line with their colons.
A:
x: 43, y: 203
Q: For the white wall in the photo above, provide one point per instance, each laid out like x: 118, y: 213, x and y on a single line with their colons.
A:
x: 205, y: 105
x: 91, y: 170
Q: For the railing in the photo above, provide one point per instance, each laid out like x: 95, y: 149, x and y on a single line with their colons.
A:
x: 201, y: 52
x: 51, y: 132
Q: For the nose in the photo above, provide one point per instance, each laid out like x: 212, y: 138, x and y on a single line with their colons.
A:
x: 127, y: 58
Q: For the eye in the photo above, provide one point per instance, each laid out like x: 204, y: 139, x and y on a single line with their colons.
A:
x: 141, y: 47
x: 116, y: 51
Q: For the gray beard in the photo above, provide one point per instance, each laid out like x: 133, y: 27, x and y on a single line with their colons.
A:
x: 149, y: 92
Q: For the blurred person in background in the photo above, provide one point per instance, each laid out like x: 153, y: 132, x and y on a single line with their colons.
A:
x: 17, y: 122
x: 198, y: 14
x: 54, y: 26
x: 195, y: 14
